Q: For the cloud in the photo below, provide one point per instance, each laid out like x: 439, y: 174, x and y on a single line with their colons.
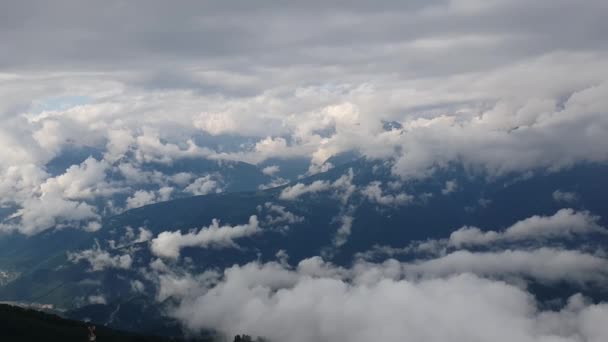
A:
x: 373, y: 192
x: 291, y: 193
x: 343, y: 187
x: 544, y: 264
x: 44, y: 202
x: 317, y: 300
x: 564, y: 223
x: 565, y: 196
x: 97, y: 299
x: 39, y: 214
x: 203, y: 186
x: 131, y: 238
x: 277, y: 215
x: 143, y: 197
x: 450, y: 186
x: 100, y: 260
x: 271, y: 170
x: 84, y: 181
x: 168, y: 244
x: 346, y: 224
x: 374, y: 301
x: 137, y: 286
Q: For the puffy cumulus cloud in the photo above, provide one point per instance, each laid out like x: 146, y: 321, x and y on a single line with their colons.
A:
x: 321, y: 302
x: 39, y: 214
x: 373, y: 192
x: 143, y: 236
x: 100, y: 259
x: 19, y: 183
x: 493, y: 140
x: 271, y: 170
x: 43, y: 202
x: 143, y: 197
x: 169, y: 244
x: 84, y: 181
x: 203, y: 186
x: 564, y: 223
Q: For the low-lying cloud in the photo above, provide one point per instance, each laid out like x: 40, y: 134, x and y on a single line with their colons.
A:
x: 169, y: 244
x: 564, y: 223
x: 320, y: 302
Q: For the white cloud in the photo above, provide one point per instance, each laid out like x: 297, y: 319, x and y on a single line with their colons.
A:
x: 44, y: 202
x: 168, y: 244
x: 343, y: 187
x: 100, y: 259
x: 39, y: 214
x: 84, y: 181
x: 293, y: 192
x: 203, y: 186
x: 346, y: 224
x: 544, y: 264
x: 373, y: 192
x: 143, y: 197
x: 564, y: 223
x: 374, y: 302
x: 271, y: 170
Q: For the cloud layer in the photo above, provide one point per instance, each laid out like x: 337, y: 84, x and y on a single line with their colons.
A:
x: 316, y: 302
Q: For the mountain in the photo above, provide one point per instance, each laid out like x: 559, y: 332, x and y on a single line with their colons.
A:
x: 382, y: 210
x: 19, y: 324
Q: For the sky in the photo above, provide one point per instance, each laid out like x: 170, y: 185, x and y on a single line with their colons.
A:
x: 500, y: 86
